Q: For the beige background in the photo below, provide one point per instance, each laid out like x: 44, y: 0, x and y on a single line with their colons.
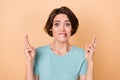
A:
x: 100, y: 18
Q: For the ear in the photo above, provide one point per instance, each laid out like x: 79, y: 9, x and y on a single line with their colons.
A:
x: 50, y: 30
x: 71, y: 30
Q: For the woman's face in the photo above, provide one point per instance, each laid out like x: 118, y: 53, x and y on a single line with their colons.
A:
x: 61, y: 28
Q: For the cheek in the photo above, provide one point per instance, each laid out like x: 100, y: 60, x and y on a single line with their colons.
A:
x: 69, y: 31
x: 54, y: 31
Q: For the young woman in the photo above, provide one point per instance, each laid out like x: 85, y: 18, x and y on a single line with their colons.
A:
x: 60, y: 60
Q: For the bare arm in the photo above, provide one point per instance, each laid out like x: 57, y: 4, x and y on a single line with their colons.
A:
x: 89, y: 55
x: 30, y: 54
x: 30, y: 75
x: 29, y: 71
x: 89, y: 75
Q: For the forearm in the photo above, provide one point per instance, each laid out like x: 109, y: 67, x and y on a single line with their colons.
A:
x: 29, y: 71
x: 90, y: 71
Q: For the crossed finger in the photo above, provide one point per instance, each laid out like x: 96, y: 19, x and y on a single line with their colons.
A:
x: 94, y: 42
x: 27, y: 44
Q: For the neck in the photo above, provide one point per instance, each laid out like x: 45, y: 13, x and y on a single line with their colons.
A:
x: 60, y: 47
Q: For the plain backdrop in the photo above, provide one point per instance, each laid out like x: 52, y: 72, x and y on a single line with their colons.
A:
x: 100, y: 18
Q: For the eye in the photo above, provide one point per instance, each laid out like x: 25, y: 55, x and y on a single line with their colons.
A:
x: 68, y: 24
x: 56, y: 24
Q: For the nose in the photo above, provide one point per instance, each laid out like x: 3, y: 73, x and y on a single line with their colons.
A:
x: 62, y: 28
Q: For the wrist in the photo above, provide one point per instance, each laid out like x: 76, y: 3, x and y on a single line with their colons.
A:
x: 29, y: 62
x: 90, y: 62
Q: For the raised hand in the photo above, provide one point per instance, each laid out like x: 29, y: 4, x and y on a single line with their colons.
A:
x: 29, y: 50
x: 90, y: 48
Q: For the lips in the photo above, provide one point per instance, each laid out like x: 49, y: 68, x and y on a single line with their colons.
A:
x: 63, y: 34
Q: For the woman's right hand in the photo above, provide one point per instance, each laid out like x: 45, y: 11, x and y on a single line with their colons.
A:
x: 29, y: 50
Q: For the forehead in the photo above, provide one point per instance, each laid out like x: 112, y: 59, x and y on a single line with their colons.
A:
x: 61, y: 17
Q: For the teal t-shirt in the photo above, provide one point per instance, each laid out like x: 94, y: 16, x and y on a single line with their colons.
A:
x: 50, y: 66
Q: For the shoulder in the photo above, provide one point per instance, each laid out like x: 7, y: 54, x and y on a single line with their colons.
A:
x: 78, y: 51
x: 42, y: 49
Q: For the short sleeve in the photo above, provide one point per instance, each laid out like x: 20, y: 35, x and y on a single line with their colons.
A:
x: 83, y: 68
x: 35, y: 68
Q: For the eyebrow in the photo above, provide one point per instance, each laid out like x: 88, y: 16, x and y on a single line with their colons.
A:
x: 67, y: 20
x: 59, y: 21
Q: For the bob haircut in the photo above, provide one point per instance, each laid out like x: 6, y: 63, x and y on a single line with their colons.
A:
x: 62, y: 10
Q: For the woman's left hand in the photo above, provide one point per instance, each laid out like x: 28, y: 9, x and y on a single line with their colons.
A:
x: 89, y: 51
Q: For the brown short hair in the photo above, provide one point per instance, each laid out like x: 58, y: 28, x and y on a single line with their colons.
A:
x: 64, y: 10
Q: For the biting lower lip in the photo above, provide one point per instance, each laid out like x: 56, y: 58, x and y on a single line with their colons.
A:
x: 62, y: 34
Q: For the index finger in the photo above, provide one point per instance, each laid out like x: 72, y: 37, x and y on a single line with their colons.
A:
x: 94, y: 42
x: 27, y: 41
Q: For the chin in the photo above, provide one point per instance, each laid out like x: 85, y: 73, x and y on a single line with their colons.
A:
x: 63, y: 40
